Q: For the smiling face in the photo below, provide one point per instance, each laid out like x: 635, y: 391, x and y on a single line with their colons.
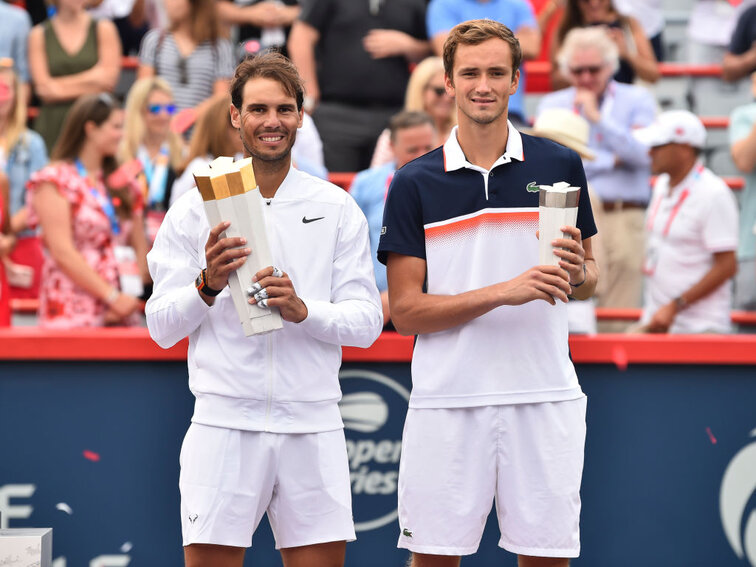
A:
x: 157, y: 113
x: 482, y: 81
x: 268, y: 120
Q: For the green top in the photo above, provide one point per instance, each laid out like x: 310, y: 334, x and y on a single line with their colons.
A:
x: 60, y: 64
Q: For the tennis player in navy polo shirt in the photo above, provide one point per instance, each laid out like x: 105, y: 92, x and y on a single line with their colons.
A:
x: 496, y: 409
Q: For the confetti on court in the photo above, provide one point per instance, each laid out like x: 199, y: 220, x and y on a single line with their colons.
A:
x: 711, y: 436
x: 63, y: 507
x: 91, y: 455
x: 126, y: 547
x: 619, y: 357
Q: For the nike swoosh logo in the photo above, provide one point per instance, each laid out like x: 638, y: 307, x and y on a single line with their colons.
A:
x: 306, y: 220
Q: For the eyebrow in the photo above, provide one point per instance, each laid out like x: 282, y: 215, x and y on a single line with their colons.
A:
x: 494, y: 68
x: 285, y: 105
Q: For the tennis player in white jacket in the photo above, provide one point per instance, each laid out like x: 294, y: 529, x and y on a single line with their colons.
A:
x: 266, y: 434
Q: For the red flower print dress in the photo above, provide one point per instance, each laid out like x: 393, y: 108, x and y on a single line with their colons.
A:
x: 62, y: 303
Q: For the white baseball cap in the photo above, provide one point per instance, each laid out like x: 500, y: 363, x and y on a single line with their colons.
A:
x: 673, y: 126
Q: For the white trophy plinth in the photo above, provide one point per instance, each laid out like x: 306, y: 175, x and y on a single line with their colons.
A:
x: 26, y: 547
x: 230, y: 193
x: 557, y: 207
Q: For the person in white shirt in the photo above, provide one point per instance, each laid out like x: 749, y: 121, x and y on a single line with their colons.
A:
x: 267, y: 435
x: 691, y: 233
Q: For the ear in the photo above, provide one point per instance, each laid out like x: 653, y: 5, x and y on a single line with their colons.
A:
x: 301, y: 118
x: 449, y: 84
x: 235, y: 116
x: 89, y: 127
x: 515, y: 83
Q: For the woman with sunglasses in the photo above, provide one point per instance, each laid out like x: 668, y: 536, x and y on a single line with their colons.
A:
x: 83, y: 219
x: 637, y: 59
x: 425, y: 93
x: 190, y: 55
x: 158, y: 150
x: 70, y: 55
x: 22, y: 152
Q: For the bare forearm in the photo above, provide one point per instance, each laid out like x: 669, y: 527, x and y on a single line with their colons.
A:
x: 425, y: 313
x: 75, y: 267
x: 646, y: 69
x: 418, y: 50
x: 301, y: 47
x: 530, y: 42
x: 736, y: 67
x: 19, y: 221
x: 744, y: 152
x: 92, y: 80
x: 722, y: 270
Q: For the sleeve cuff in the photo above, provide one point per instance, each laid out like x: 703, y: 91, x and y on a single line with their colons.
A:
x: 318, y: 313
x: 189, y: 303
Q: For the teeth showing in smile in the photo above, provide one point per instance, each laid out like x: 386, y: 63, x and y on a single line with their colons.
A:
x: 271, y: 138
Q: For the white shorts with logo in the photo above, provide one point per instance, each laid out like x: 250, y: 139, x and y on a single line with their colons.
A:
x: 229, y: 478
x: 527, y: 458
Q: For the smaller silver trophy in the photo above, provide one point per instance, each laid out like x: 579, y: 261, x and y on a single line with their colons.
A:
x: 557, y: 207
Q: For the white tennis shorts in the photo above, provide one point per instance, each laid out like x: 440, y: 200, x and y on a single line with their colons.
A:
x: 527, y: 458
x: 229, y: 478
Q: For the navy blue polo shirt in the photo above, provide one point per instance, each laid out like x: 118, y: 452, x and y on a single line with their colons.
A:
x: 476, y: 228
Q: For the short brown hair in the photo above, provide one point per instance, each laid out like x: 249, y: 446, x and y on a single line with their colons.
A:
x: 408, y: 119
x: 268, y: 65
x: 474, y: 32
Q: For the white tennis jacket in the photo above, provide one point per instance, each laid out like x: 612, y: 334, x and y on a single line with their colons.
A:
x: 285, y: 381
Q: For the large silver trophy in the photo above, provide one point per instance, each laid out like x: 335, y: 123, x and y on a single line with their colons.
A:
x: 230, y: 193
x: 557, y: 207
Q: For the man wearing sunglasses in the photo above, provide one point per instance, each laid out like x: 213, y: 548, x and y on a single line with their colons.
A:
x: 620, y: 172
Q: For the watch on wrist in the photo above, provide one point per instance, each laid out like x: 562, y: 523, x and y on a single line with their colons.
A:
x: 680, y: 303
x: 201, y: 284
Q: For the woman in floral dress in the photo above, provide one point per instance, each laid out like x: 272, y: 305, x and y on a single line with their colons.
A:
x: 82, y: 219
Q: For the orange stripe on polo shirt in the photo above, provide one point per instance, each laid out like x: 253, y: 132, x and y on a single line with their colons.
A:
x: 508, y: 218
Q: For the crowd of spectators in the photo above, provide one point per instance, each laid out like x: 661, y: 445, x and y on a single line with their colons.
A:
x: 75, y: 229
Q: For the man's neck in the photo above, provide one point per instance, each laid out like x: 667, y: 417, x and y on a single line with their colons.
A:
x: 483, y: 144
x: 270, y: 174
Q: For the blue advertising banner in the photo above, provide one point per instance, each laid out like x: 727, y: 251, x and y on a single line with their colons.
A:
x: 91, y: 450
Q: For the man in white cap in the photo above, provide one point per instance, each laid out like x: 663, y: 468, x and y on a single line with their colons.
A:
x: 691, y: 232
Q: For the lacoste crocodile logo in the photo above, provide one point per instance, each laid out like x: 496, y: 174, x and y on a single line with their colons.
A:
x: 406, y: 532
x: 306, y: 220
x: 532, y: 187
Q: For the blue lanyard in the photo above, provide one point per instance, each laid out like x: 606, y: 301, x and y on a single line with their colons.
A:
x: 105, y: 203
x: 158, y: 173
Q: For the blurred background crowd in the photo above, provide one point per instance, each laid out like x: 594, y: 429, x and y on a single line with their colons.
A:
x: 108, y: 106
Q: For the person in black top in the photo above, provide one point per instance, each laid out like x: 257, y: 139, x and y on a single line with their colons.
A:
x: 354, y: 58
